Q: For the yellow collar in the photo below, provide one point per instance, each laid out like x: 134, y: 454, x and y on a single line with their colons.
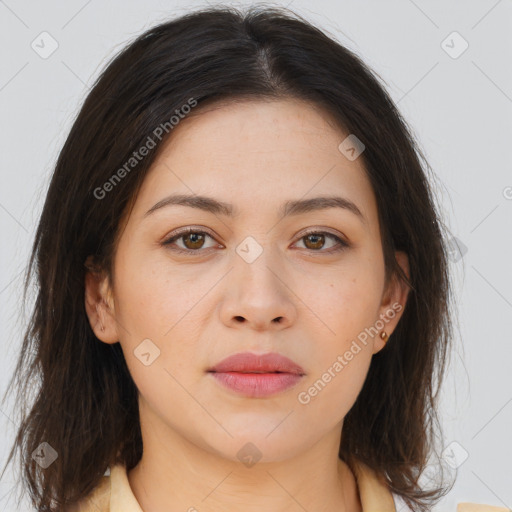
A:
x: 374, y: 493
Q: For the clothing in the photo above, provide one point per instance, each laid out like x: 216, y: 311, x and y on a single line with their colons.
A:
x: 114, y: 494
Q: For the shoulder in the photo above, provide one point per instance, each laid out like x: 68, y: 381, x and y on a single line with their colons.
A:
x: 98, y: 500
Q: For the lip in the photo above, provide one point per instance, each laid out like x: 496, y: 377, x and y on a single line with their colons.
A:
x: 247, y: 362
x: 257, y: 375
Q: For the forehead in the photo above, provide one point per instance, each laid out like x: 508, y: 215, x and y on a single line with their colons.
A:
x: 256, y: 155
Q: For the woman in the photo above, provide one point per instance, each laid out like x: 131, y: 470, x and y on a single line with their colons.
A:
x: 243, y: 293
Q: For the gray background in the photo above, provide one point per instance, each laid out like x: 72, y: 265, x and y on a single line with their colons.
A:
x: 459, y: 108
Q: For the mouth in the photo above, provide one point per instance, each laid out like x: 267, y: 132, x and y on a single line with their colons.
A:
x: 257, y: 376
x: 248, y: 372
x: 257, y: 385
x: 247, y: 362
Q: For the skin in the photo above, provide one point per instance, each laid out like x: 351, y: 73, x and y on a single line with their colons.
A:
x: 200, y: 308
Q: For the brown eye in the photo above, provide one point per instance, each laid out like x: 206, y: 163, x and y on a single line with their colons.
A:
x: 196, y: 240
x: 315, y: 241
x: 191, y: 241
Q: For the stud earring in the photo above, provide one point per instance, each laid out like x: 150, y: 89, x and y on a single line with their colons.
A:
x: 384, y: 336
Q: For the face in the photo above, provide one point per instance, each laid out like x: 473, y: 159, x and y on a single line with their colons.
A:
x: 258, y: 274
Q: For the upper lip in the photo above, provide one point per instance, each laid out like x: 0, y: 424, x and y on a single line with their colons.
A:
x: 246, y: 362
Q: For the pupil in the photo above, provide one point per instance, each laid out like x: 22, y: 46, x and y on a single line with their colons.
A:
x: 196, y: 238
x: 319, y: 240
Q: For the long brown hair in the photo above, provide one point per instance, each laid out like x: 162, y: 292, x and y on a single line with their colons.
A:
x: 85, y: 401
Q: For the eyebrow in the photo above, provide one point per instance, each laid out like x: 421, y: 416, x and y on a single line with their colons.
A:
x: 289, y: 208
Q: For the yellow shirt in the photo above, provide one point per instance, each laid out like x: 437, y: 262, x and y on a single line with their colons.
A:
x: 114, y: 494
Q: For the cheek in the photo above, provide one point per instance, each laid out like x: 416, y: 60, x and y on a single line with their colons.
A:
x: 156, y: 298
x: 336, y: 377
x: 157, y: 312
x: 346, y: 302
x: 346, y: 308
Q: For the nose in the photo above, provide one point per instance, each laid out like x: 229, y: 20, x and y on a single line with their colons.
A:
x: 256, y: 296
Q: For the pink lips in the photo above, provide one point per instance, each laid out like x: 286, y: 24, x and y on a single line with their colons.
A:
x: 257, y: 375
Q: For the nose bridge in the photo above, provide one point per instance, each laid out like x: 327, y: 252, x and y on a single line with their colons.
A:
x: 258, y: 294
x: 258, y: 264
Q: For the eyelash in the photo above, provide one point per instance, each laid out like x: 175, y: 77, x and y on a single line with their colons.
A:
x: 191, y: 252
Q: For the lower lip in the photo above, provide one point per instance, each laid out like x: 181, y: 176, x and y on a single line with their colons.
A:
x: 257, y: 385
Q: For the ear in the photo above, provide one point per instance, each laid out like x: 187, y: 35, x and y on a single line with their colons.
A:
x: 393, y: 301
x: 99, y: 304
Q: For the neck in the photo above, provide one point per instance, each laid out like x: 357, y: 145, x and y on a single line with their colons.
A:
x: 174, y: 475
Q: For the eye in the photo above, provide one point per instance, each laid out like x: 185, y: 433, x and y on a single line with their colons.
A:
x: 314, y: 240
x: 193, y: 240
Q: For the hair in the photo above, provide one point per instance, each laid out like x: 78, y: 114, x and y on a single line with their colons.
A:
x: 85, y: 401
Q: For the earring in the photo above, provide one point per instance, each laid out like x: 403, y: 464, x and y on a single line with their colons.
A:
x: 384, y: 336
